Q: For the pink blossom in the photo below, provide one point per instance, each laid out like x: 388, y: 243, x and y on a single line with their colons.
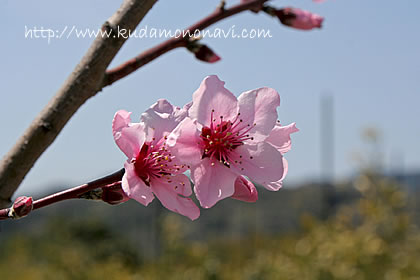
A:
x: 225, y: 137
x: 151, y: 169
x: 299, y: 19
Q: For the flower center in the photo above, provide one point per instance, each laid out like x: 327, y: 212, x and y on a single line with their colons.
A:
x: 155, y: 162
x: 219, y: 140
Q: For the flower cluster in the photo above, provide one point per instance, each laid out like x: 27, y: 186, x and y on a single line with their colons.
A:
x: 224, y: 141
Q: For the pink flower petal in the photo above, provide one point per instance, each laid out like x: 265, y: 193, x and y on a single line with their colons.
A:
x: 261, y: 163
x: 128, y: 136
x: 134, y: 187
x: 280, y: 137
x: 170, y: 198
x: 212, y: 95
x: 183, y: 142
x: 182, y: 184
x: 245, y: 190
x: 163, y: 106
x: 259, y: 107
x: 275, y: 186
x: 213, y: 182
x: 161, y: 118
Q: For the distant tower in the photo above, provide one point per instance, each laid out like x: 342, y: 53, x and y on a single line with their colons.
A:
x: 327, y: 138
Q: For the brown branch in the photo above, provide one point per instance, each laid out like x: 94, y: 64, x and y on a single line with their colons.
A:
x: 135, y: 63
x: 75, y: 192
x: 84, y: 82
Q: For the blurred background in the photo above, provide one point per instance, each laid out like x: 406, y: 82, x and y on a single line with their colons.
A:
x: 348, y: 208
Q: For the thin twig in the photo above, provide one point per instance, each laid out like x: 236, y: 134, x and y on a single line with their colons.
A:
x: 75, y: 192
x: 135, y: 63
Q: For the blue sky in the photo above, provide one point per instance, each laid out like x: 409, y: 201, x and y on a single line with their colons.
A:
x: 367, y: 56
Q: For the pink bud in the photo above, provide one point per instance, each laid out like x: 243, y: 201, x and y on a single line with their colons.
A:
x: 299, y: 19
x: 114, y: 194
x: 21, y: 207
x: 204, y: 53
x: 245, y: 190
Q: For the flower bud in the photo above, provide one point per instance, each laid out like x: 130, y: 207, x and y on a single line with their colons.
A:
x: 245, y: 190
x: 114, y: 194
x: 299, y: 19
x: 203, y: 53
x: 21, y: 207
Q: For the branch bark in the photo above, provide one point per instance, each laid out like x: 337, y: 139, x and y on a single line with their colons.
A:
x: 84, y: 82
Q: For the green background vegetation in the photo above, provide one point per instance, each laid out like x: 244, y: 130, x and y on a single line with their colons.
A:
x: 370, y: 236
